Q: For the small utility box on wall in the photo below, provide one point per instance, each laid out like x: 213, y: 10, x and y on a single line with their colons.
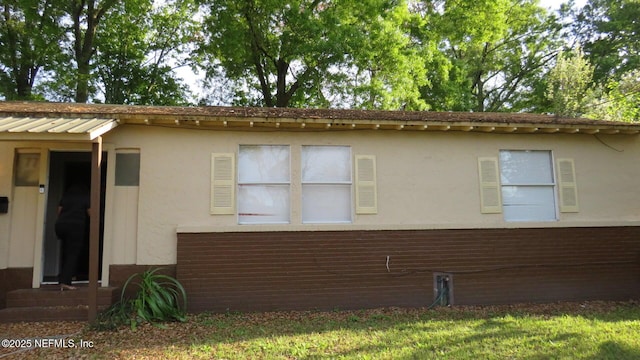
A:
x: 4, y: 204
x: 442, y: 289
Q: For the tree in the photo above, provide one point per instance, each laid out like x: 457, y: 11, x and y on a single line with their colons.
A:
x: 72, y: 76
x: 570, y: 84
x: 493, y: 54
x: 86, y: 16
x: 296, y: 52
x: 389, y: 67
x: 138, y: 49
x: 23, y: 55
x: 123, y: 52
x: 620, y: 102
x: 609, y: 33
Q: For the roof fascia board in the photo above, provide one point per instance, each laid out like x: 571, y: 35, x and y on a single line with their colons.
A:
x: 257, y: 123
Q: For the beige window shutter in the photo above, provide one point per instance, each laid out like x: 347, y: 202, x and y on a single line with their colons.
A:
x: 223, y: 183
x: 567, y: 186
x: 490, y: 197
x: 366, y: 192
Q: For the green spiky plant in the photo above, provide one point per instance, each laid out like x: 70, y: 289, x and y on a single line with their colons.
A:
x: 159, y: 298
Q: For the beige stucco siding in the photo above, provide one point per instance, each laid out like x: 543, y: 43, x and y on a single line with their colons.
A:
x: 22, y: 236
x: 606, y: 173
x: 6, y: 170
x: 124, y: 229
x: 425, y: 180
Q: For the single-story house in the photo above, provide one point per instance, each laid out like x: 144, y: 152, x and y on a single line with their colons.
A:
x: 258, y: 209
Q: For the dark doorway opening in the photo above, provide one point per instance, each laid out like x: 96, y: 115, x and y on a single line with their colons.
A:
x: 65, y: 169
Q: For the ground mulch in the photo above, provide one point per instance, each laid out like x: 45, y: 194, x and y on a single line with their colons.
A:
x: 76, y: 340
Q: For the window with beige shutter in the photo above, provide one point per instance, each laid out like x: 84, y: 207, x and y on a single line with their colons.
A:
x: 366, y: 192
x: 488, y: 172
x: 256, y: 184
x: 521, y: 184
x: 222, y: 183
x: 568, y: 190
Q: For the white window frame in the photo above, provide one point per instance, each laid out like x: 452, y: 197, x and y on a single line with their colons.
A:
x: 241, y: 183
x: 348, y: 183
x: 551, y: 185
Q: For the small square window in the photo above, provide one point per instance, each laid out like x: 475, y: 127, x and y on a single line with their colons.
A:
x: 127, y: 169
x: 27, y: 169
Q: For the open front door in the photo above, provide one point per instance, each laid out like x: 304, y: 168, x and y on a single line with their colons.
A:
x: 66, y: 168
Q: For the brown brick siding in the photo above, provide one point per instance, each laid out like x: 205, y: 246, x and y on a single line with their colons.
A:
x: 12, y: 279
x: 259, y: 271
x: 119, y: 274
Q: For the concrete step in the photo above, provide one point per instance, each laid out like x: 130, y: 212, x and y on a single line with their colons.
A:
x: 48, y: 303
x: 46, y: 313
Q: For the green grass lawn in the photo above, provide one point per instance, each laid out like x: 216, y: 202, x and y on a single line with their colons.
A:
x: 591, y: 330
x: 389, y: 334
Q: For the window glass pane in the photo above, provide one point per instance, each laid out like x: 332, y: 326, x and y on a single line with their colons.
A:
x: 528, y: 203
x: 525, y: 167
x: 326, y: 203
x: 263, y: 164
x: 27, y: 171
x: 263, y: 204
x: 127, y: 169
x: 260, y: 168
x: 326, y: 164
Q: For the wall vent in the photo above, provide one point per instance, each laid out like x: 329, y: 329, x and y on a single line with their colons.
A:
x: 442, y: 289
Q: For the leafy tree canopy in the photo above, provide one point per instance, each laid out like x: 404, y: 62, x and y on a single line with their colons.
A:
x: 609, y: 33
x: 493, y: 54
x: 306, y: 52
x: 29, y: 43
x: 446, y: 55
x: 569, y: 85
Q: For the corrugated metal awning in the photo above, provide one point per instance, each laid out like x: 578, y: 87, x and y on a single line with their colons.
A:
x: 47, y: 128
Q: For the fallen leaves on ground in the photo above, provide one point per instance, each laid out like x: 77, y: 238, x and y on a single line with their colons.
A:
x: 149, y: 341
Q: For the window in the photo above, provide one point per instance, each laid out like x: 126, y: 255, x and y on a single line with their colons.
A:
x: 255, y: 184
x: 27, y: 169
x: 128, y: 168
x: 263, y: 184
x: 326, y: 184
x: 527, y: 185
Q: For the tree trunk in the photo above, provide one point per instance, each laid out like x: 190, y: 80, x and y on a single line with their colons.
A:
x: 84, y: 43
x: 82, y: 82
x: 282, y: 97
x: 24, y: 84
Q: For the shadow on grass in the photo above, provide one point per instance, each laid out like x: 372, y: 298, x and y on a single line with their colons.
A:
x: 459, y: 333
x: 615, y: 351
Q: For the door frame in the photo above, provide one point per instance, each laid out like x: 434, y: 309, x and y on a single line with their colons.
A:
x: 45, y: 161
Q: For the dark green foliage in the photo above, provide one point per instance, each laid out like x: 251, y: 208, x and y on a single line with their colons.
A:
x: 453, y: 55
x: 608, y: 31
x: 159, y: 298
x: 23, y: 56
